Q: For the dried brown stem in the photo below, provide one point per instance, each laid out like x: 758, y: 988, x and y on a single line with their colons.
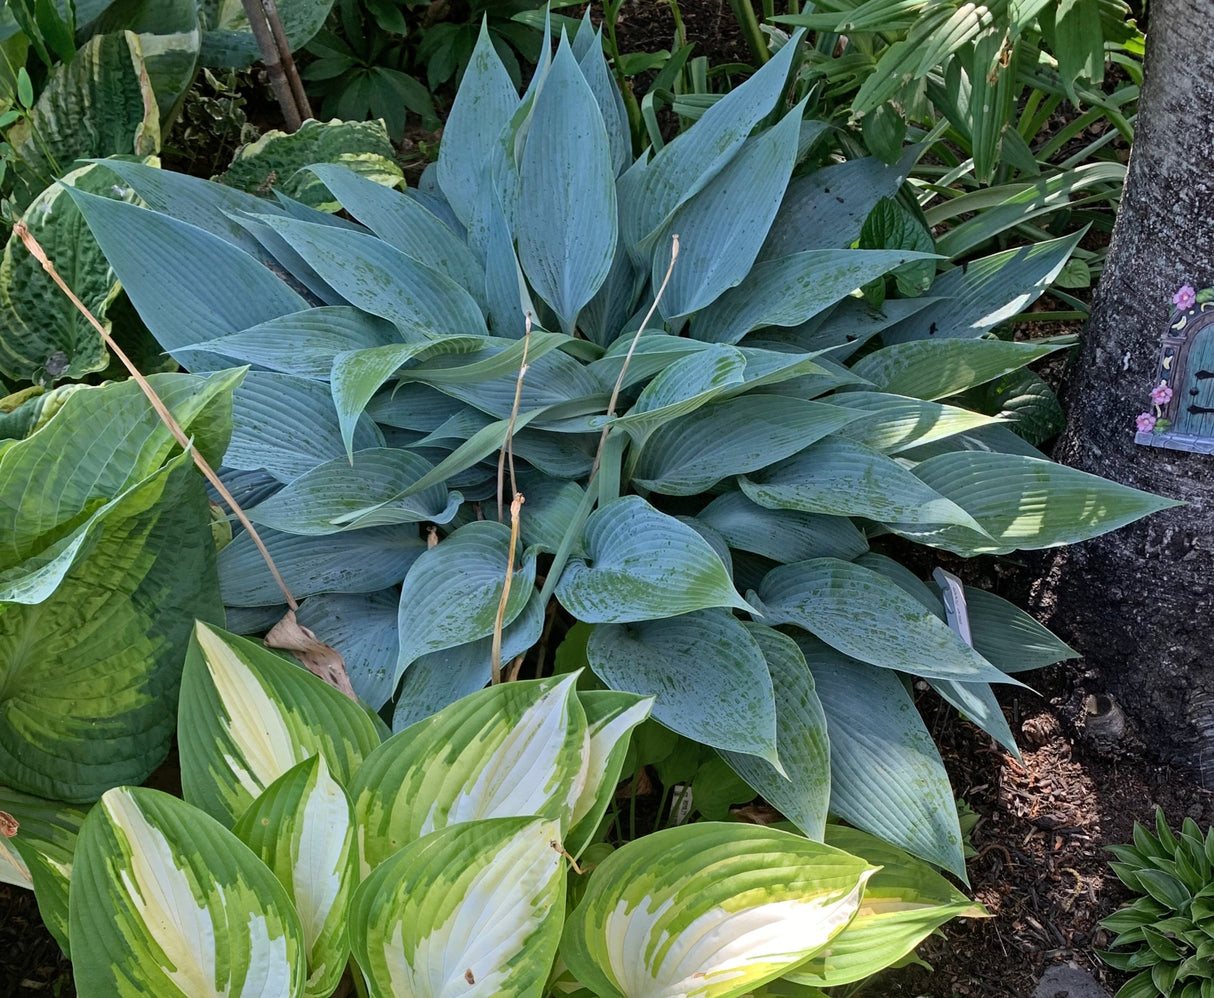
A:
x: 508, y: 443
x: 495, y: 658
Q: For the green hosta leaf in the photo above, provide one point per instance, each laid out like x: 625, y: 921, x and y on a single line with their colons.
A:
x: 474, y: 909
x: 803, y: 795
x: 890, y: 423
x: 890, y: 226
x: 45, y: 336
x: 653, y: 353
x: 1025, y: 503
x: 1024, y: 402
x: 886, y: 776
x: 729, y: 704
x: 782, y: 535
x: 640, y: 564
x: 452, y: 591
x: 302, y: 828
x: 684, y: 386
x: 840, y: 477
x: 167, y: 901
x: 247, y: 716
x: 512, y: 749
x: 566, y: 220
x: 733, y: 437
x: 710, y: 909
x: 228, y: 40
x: 1009, y: 638
x: 863, y: 614
x: 364, y: 492
x: 904, y: 903
x: 935, y: 369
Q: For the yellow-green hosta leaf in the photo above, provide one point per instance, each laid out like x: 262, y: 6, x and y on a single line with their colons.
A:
x: 166, y: 901
x: 302, y: 828
x: 711, y: 909
x: 473, y: 909
x: 247, y: 716
x: 513, y: 749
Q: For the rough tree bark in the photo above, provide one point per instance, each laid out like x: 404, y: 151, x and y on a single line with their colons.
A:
x: 1137, y: 603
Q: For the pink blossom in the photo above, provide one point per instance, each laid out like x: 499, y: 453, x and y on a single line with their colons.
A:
x: 1146, y: 422
x: 1184, y: 298
x: 1161, y: 394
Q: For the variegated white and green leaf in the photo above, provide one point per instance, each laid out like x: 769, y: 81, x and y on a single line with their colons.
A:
x: 472, y: 909
x: 166, y: 901
x: 247, y: 716
x: 709, y: 909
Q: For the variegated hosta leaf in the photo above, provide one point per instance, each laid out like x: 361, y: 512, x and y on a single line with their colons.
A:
x: 513, y: 749
x: 302, y: 828
x: 167, y: 902
x: 710, y: 909
x: 247, y: 716
x: 472, y: 910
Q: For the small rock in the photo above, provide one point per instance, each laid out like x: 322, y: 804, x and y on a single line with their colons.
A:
x: 1067, y: 980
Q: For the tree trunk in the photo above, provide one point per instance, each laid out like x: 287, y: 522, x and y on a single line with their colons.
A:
x: 1137, y: 603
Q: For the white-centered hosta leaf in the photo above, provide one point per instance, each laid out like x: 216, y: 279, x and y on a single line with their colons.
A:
x: 641, y: 564
x: 473, y: 910
x: 709, y: 910
x: 890, y: 423
x: 512, y: 749
x: 452, y: 592
x: 302, y: 828
x: 707, y: 675
x: 247, y: 716
x: 864, y: 615
x: 782, y: 535
x: 166, y: 901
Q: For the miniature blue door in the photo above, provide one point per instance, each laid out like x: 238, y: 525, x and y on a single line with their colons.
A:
x: 1195, y: 414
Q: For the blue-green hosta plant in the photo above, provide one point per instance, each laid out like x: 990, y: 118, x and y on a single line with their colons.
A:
x: 438, y: 859
x: 709, y: 496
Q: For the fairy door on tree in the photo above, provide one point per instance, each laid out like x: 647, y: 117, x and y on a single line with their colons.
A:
x: 1195, y: 411
x: 1181, y: 398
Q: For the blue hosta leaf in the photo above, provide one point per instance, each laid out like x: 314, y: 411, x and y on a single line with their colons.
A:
x: 363, y: 629
x: 886, y: 775
x: 566, y: 222
x: 653, y: 353
x: 165, y: 900
x: 840, y: 477
x: 683, y: 386
x: 181, y: 278
x: 641, y: 564
x: 1009, y: 638
x: 891, y: 423
x: 452, y: 591
x: 782, y: 535
x: 359, y: 561
x: 507, y: 297
x: 722, y: 228
x: 734, y: 437
x: 802, y: 792
x: 550, y: 510
x: 611, y: 104
x: 706, y: 672
x: 788, y: 291
x: 863, y: 614
x: 364, y: 492
x: 850, y: 324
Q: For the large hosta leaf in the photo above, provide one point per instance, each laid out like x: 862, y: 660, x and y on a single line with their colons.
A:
x: 513, y: 749
x: 782, y: 535
x: 708, y: 676
x: 710, y: 909
x: 890, y: 423
x: 1009, y: 638
x: 641, y: 564
x: 247, y: 716
x: 362, y: 626
x: 166, y: 901
x: 473, y: 909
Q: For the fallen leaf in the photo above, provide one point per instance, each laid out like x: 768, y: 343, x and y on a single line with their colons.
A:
x: 317, y: 657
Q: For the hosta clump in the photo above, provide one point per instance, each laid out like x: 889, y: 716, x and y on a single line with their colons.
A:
x: 715, y: 529
x: 1167, y: 934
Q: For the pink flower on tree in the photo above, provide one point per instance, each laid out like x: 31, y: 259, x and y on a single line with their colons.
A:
x: 1146, y: 422
x: 1184, y: 298
x: 1161, y: 394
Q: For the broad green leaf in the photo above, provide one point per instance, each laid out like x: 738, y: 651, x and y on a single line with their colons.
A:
x: 473, y: 909
x: 452, y: 591
x: 167, y: 901
x: 904, y: 903
x: 861, y: 613
x: 706, y: 672
x: 302, y: 828
x: 891, y: 226
x: 227, y: 39
x: 886, y: 776
x: 1009, y: 638
x: 566, y: 220
x: 1024, y: 402
x: 682, y: 387
x: 840, y: 477
x: 710, y: 909
x: 691, y: 454
x: 640, y: 564
x: 802, y: 792
x: 936, y: 369
x: 891, y: 423
x: 782, y: 535
x: 362, y: 627
x: 247, y: 716
x: 364, y: 492
x: 512, y: 749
